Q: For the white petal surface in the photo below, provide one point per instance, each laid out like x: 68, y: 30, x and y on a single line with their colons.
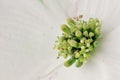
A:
x: 28, y: 29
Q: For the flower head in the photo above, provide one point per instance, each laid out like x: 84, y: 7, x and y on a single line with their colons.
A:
x: 78, y: 40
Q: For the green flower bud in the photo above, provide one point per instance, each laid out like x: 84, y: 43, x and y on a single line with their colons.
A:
x: 91, y: 48
x: 90, y: 40
x: 74, y: 29
x: 82, y: 59
x: 64, y: 43
x: 91, y: 34
x: 65, y: 50
x: 83, y: 40
x: 88, y: 55
x: 78, y: 63
x: 73, y: 43
x: 65, y: 28
x: 91, y: 19
x: 64, y: 55
x: 69, y: 62
x: 87, y: 50
x: 82, y: 47
x: 84, y: 55
x: 70, y: 21
x: 85, y: 26
x: 78, y: 34
x: 85, y: 33
x: 83, y: 51
x: 86, y: 41
x: 80, y: 26
x: 92, y: 24
x: 77, y: 55
x: 95, y: 43
x: 97, y: 31
x: 69, y: 49
x: 61, y: 39
x: 88, y: 44
x: 98, y: 24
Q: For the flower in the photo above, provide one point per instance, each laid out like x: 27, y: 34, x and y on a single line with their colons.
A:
x: 106, y: 60
x: 82, y: 41
x: 28, y: 32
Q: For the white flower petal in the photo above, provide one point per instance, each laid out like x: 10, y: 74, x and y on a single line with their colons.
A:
x: 28, y: 29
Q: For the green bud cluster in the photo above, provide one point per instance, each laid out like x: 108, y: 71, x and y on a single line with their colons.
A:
x: 78, y: 40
